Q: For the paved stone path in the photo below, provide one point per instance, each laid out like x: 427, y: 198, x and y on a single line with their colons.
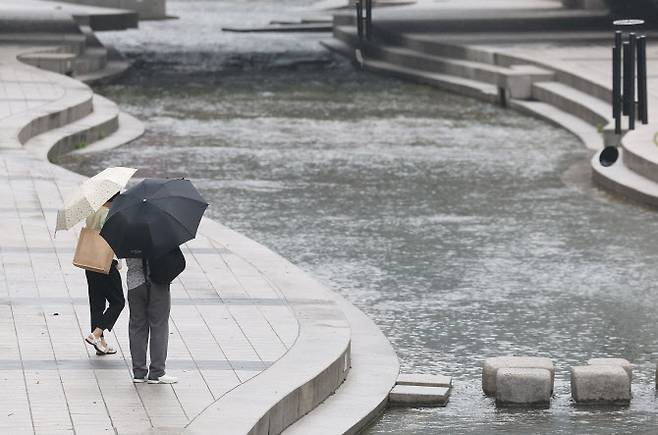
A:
x: 228, y: 323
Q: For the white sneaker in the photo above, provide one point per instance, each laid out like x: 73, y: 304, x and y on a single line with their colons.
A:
x: 164, y: 379
x: 139, y: 380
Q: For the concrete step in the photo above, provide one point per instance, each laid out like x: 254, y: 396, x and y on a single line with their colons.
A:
x: 587, y: 133
x: 565, y: 73
x: 75, y: 41
x: 346, y: 34
x: 75, y: 105
x: 364, y: 394
x: 58, y: 62
x: 438, y: 20
x: 281, y: 28
x: 112, y: 70
x: 130, y: 128
x: 415, y: 395
x: 93, y: 59
x: 641, y: 151
x: 472, y: 47
x: 619, y: 179
x: 516, y: 79
x: 472, y: 88
x: 427, y: 380
x: 467, y: 87
x: 91, y: 40
x: 476, y: 46
x: 590, y: 109
x: 340, y: 47
x: 103, y: 121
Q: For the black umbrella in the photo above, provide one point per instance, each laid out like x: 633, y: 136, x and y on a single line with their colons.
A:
x: 153, y: 217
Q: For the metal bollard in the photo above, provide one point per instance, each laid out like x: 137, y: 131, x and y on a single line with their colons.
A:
x: 359, y: 19
x: 631, y: 66
x: 616, y: 82
x: 627, y: 79
x: 368, y: 19
x: 643, y: 111
x: 628, y: 53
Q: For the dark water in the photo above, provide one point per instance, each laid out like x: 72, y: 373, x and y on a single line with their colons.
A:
x: 464, y: 230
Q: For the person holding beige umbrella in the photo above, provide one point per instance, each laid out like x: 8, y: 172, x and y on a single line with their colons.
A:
x: 92, y: 202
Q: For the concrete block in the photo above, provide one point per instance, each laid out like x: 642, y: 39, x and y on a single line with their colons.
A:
x: 418, y: 395
x: 600, y: 384
x: 523, y: 386
x: 519, y: 85
x: 424, y: 380
x: 621, y: 362
x: 491, y: 366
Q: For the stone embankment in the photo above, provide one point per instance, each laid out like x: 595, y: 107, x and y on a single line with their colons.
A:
x: 533, y: 56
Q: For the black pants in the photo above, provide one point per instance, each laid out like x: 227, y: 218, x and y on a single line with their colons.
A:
x: 104, y: 288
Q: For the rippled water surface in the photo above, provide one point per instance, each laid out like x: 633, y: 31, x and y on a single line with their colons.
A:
x: 464, y: 230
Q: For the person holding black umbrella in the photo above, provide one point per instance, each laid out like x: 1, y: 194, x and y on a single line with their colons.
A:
x: 150, y: 305
x: 146, y: 225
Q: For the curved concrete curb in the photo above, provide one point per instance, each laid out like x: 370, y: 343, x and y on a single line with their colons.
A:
x: 621, y: 180
x: 364, y: 394
x: 305, y: 376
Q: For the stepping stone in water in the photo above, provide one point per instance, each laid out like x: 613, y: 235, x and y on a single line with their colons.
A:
x: 621, y: 362
x: 523, y: 386
x: 411, y: 395
x: 425, y: 380
x: 600, y: 385
x: 491, y: 366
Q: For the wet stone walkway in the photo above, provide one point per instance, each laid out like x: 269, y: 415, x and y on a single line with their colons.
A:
x: 228, y: 323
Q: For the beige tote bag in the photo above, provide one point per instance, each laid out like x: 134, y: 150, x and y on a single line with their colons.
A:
x: 93, y: 253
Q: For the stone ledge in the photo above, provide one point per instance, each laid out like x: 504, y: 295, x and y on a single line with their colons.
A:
x: 364, y: 394
x: 619, y: 179
x: 424, y: 380
x: 419, y: 395
x: 306, y: 375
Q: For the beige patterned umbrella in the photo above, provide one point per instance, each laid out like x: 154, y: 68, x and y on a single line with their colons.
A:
x: 91, y: 195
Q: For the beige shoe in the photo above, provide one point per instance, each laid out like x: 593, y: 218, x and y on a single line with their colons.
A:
x: 96, y: 342
x: 108, y: 351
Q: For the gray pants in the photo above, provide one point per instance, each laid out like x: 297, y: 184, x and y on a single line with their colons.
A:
x: 149, y: 314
